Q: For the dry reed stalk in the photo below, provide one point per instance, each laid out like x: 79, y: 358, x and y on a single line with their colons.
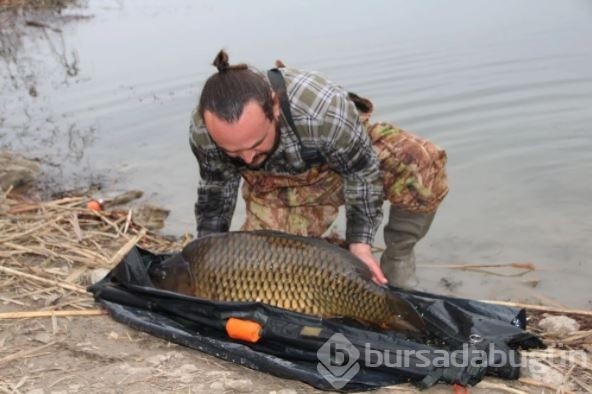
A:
x: 32, y: 250
x: 63, y: 313
x: 125, y: 249
x: 73, y: 303
x: 566, y: 378
x: 29, y: 231
x: 524, y: 267
x: 107, y: 221
x: 536, y: 383
x: 67, y: 286
x: 577, y: 336
x: 128, y: 221
x: 69, y: 202
x: 541, y: 308
x: 562, y: 354
x: 62, y: 230
x: 484, y: 384
x: 25, y: 353
x: 583, y: 384
x: 75, y: 274
x: 76, y: 227
x: 12, y: 301
x: 36, y: 292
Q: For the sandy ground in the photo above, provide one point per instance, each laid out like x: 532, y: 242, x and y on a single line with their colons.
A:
x: 98, y: 355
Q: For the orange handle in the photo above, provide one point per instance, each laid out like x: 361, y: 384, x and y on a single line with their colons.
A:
x: 245, y: 330
x: 94, y: 205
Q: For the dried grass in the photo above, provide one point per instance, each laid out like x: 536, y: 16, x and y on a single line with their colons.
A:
x: 48, y: 249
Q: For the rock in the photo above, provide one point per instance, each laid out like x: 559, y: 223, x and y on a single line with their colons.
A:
x: 36, y: 391
x: 17, y: 171
x: 239, y: 385
x: 559, y: 325
x: 150, y: 216
x: 97, y: 274
x: 122, y: 198
x: 536, y: 370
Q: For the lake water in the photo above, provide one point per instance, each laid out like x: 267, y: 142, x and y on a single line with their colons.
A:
x: 505, y: 87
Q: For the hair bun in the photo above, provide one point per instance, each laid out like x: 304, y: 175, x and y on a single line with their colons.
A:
x: 221, y: 61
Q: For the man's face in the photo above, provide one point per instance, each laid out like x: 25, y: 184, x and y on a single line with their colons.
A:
x: 251, y: 138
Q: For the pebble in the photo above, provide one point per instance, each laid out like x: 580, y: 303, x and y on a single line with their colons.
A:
x: 559, y: 325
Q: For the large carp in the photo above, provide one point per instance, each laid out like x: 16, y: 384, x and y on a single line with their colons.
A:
x: 300, y: 274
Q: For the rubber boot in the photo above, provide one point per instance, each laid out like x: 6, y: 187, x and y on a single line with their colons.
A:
x: 401, y: 233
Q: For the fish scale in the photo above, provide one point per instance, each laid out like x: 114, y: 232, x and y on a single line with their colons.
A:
x: 296, y: 273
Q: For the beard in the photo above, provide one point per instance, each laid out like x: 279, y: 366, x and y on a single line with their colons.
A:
x: 261, y: 158
x: 258, y: 161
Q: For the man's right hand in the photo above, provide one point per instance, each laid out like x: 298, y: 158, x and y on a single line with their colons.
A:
x: 364, y: 253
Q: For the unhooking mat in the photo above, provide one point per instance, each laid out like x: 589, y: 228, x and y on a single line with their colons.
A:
x: 465, y: 340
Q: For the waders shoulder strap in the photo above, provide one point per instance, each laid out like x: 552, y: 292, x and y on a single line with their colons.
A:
x: 279, y: 86
x: 311, y: 156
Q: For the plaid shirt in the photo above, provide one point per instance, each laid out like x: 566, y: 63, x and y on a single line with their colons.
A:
x: 326, y: 120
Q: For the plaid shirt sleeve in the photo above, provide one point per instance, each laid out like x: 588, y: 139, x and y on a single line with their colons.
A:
x: 329, y: 116
x: 218, y: 186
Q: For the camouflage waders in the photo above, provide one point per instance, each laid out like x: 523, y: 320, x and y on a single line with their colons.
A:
x: 414, y: 181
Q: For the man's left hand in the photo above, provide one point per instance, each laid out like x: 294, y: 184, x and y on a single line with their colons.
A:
x: 364, y: 253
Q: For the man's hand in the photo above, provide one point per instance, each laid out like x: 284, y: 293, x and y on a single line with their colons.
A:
x: 364, y: 253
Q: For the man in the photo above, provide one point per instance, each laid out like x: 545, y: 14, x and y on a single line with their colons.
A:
x: 303, y: 147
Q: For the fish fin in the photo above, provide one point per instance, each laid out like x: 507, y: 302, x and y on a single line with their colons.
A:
x: 405, y: 317
x: 361, y: 268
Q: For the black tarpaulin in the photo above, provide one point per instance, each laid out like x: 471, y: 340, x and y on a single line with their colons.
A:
x: 466, y: 339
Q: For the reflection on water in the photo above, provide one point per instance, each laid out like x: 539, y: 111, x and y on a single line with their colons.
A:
x: 505, y: 87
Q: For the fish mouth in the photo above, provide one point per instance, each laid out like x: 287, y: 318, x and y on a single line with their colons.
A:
x: 156, y: 273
